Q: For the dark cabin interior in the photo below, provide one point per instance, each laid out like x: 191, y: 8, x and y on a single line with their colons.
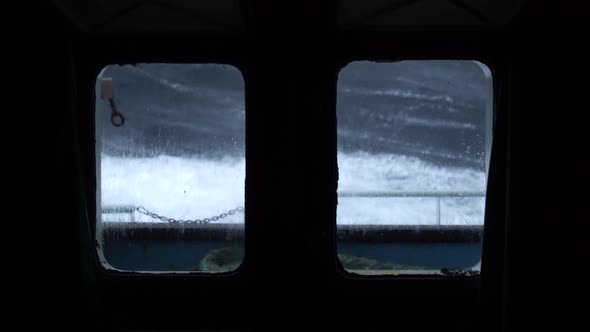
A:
x: 534, y: 251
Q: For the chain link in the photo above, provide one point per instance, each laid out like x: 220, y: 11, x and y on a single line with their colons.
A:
x: 146, y: 212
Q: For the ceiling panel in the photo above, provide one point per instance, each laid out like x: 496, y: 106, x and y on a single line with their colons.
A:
x: 145, y: 15
x: 395, y: 14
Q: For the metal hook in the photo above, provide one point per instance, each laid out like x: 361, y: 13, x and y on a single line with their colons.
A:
x: 117, y: 119
x: 106, y: 93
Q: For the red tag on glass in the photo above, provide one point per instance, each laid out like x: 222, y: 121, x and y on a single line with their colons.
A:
x: 106, y: 88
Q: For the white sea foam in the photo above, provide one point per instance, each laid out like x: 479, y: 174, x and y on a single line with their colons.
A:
x: 195, y: 188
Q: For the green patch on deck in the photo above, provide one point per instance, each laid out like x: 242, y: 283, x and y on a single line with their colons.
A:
x: 229, y: 259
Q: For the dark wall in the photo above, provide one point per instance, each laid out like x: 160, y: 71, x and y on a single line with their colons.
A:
x: 43, y: 248
x: 548, y: 171
x: 536, y: 261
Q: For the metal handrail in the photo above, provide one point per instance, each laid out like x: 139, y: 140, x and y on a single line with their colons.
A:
x: 114, y: 209
x: 130, y: 209
x: 417, y: 194
x: 413, y: 194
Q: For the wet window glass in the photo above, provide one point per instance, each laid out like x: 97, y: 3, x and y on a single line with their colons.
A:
x: 414, y: 140
x: 170, y: 164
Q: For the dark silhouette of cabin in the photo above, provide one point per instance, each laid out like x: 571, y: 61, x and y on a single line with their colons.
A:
x: 533, y: 270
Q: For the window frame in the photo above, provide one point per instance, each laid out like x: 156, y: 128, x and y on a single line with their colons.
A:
x: 114, y: 288
x: 228, y: 50
x: 491, y: 112
x: 381, y: 46
x: 98, y: 237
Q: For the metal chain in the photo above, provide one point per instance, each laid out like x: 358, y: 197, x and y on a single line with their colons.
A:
x: 145, y: 211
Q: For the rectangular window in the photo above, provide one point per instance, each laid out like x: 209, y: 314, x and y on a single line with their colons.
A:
x: 414, y: 141
x: 170, y: 167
